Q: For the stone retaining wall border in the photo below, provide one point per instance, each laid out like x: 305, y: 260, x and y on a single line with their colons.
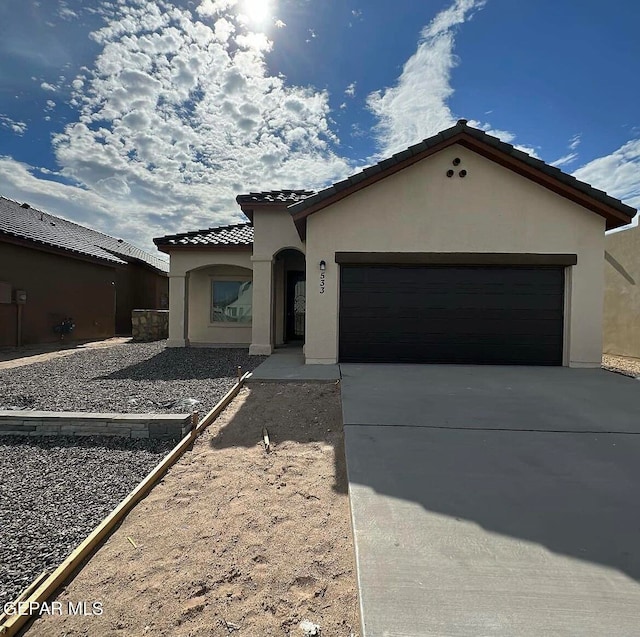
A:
x: 54, y: 423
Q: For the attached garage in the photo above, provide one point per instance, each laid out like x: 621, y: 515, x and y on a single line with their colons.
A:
x: 478, y: 314
x: 461, y: 249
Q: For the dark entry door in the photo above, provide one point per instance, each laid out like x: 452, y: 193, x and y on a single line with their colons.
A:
x: 461, y: 314
x: 296, y: 305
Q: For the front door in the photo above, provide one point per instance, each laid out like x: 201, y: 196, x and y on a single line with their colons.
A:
x: 295, y: 305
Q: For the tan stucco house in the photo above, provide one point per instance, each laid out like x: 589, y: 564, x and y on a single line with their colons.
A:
x: 622, y: 294
x: 459, y: 249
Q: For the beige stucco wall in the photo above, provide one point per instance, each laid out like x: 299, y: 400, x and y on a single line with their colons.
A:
x: 201, y: 330
x: 621, y: 326
x: 183, y: 261
x: 190, y: 278
x: 420, y: 209
x: 274, y: 231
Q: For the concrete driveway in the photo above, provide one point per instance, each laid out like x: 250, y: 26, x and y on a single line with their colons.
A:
x: 494, y: 500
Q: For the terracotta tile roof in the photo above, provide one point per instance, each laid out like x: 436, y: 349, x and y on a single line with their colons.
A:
x: 240, y: 234
x: 23, y: 222
x: 274, y: 197
x: 616, y: 212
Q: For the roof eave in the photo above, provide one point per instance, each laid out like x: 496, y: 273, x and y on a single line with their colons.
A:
x: 35, y: 244
x: 614, y: 216
x: 243, y: 247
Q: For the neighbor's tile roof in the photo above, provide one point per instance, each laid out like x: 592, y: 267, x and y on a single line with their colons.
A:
x: 39, y: 227
x: 274, y: 197
x: 240, y: 234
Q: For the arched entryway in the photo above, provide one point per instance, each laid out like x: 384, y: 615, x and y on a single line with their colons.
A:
x: 289, y: 278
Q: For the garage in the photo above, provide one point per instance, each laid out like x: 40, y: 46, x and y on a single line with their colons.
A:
x: 474, y: 314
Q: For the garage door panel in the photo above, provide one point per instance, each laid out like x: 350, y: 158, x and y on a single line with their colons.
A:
x: 451, y: 327
x: 447, y: 275
x: 472, y: 302
x: 464, y: 340
x: 460, y: 353
x: 468, y: 314
x: 452, y: 314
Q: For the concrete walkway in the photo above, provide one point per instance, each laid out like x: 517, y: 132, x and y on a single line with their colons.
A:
x: 287, y: 364
x: 494, y: 500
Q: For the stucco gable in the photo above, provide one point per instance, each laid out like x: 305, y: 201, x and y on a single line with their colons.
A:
x: 614, y: 211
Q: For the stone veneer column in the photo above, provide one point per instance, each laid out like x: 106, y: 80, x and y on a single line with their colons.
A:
x: 261, y: 339
x: 177, y: 311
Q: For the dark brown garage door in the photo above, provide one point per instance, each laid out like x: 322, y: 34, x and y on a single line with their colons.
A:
x: 444, y: 314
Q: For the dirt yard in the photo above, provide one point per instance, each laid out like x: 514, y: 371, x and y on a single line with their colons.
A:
x: 234, y: 540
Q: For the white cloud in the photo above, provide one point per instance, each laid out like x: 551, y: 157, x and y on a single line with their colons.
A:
x: 76, y: 204
x: 357, y: 14
x: 350, y: 91
x: 14, y: 125
x: 65, y: 12
x: 215, y: 7
x: 178, y: 114
x: 618, y: 174
x: 571, y: 156
x: 279, y: 24
x: 175, y: 118
x: 504, y: 136
x: 45, y: 86
x: 223, y: 30
x: 574, y: 142
x: 565, y: 160
x: 416, y: 107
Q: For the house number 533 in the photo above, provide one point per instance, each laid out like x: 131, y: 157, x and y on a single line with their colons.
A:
x: 322, y: 278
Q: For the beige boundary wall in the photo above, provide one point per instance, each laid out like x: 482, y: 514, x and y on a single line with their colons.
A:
x: 53, y: 423
x: 491, y: 210
x: 621, y: 326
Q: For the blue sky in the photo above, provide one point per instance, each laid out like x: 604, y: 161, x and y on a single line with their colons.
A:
x: 143, y: 118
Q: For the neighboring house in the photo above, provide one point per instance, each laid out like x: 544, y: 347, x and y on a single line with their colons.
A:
x: 460, y: 249
x: 622, y: 294
x: 60, y: 269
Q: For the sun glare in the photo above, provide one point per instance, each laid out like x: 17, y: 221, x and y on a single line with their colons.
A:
x: 258, y: 11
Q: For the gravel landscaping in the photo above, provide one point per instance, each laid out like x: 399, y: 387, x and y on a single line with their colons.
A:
x: 127, y: 378
x: 55, y: 490
x: 622, y: 365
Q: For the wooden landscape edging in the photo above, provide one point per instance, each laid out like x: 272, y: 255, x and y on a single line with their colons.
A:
x: 63, y: 573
